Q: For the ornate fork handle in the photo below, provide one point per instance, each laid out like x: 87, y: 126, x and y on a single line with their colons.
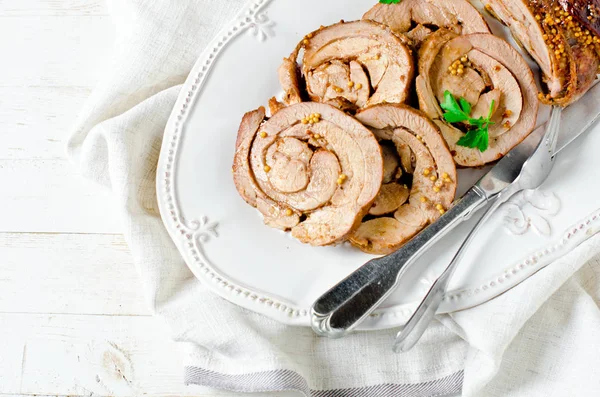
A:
x: 343, y: 307
x: 421, y: 318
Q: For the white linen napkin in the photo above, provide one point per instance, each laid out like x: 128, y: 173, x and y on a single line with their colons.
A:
x: 540, y: 339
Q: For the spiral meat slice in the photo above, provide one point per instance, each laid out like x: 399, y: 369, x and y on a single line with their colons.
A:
x: 491, y: 72
x: 400, y: 211
x: 560, y: 36
x: 349, y: 65
x: 310, y: 169
x: 419, y: 18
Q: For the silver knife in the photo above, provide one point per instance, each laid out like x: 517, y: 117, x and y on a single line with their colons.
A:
x: 347, y: 304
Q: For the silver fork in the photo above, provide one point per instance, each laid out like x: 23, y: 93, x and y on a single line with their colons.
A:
x: 534, y: 172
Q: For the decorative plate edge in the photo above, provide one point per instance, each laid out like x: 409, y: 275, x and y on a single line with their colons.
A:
x: 513, y: 275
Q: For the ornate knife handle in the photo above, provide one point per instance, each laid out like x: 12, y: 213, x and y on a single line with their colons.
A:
x: 347, y: 304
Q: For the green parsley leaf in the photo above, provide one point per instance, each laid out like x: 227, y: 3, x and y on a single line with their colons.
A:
x: 491, y: 111
x: 475, y: 139
x: 455, y: 117
x: 460, y: 111
x: 454, y: 111
x: 450, y: 105
x: 390, y: 1
x: 465, y: 105
x: 480, y: 122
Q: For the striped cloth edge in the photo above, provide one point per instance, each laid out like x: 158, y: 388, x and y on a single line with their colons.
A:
x: 285, y: 380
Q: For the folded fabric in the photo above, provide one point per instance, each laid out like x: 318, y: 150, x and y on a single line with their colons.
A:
x: 540, y: 338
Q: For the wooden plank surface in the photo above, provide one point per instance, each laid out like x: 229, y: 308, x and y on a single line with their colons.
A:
x: 35, y: 121
x: 116, y: 356
x: 27, y: 8
x: 55, y: 51
x: 60, y: 50
x: 50, y: 196
x: 68, y: 274
x: 88, y: 355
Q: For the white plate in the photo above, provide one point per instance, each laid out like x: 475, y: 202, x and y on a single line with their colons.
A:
x: 225, y: 243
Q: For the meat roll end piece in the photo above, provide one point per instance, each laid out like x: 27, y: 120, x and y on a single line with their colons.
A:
x: 561, y: 36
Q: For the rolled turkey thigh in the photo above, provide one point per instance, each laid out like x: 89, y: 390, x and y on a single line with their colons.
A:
x: 401, y: 211
x: 491, y: 71
x: 350, y: 65
x: 310, y: 169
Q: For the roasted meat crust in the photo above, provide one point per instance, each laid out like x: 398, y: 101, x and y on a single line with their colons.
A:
x: 560, y: 38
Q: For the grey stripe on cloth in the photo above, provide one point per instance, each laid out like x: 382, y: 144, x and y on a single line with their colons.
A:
x: 285, y: 380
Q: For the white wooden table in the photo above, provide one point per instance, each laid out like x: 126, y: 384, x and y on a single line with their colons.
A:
x: 73, y: 320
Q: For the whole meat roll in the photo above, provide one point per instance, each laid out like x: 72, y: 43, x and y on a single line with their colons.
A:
x: 309, y: 169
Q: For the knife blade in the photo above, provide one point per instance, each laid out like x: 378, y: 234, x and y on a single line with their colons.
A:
x: 347, y: 304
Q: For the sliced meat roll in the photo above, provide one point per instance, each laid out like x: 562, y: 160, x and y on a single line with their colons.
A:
x: 554, y: 33
x: 419, y: 178
x: 310, y: 169
x: 350, y: 66
x: 484, y: 70
x: 419, y: 18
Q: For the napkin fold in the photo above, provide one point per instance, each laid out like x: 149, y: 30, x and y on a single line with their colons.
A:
x: 539, y: 339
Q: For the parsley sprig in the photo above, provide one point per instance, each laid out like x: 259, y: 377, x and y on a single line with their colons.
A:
x: 390, y: 1
x: 460, y: 112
